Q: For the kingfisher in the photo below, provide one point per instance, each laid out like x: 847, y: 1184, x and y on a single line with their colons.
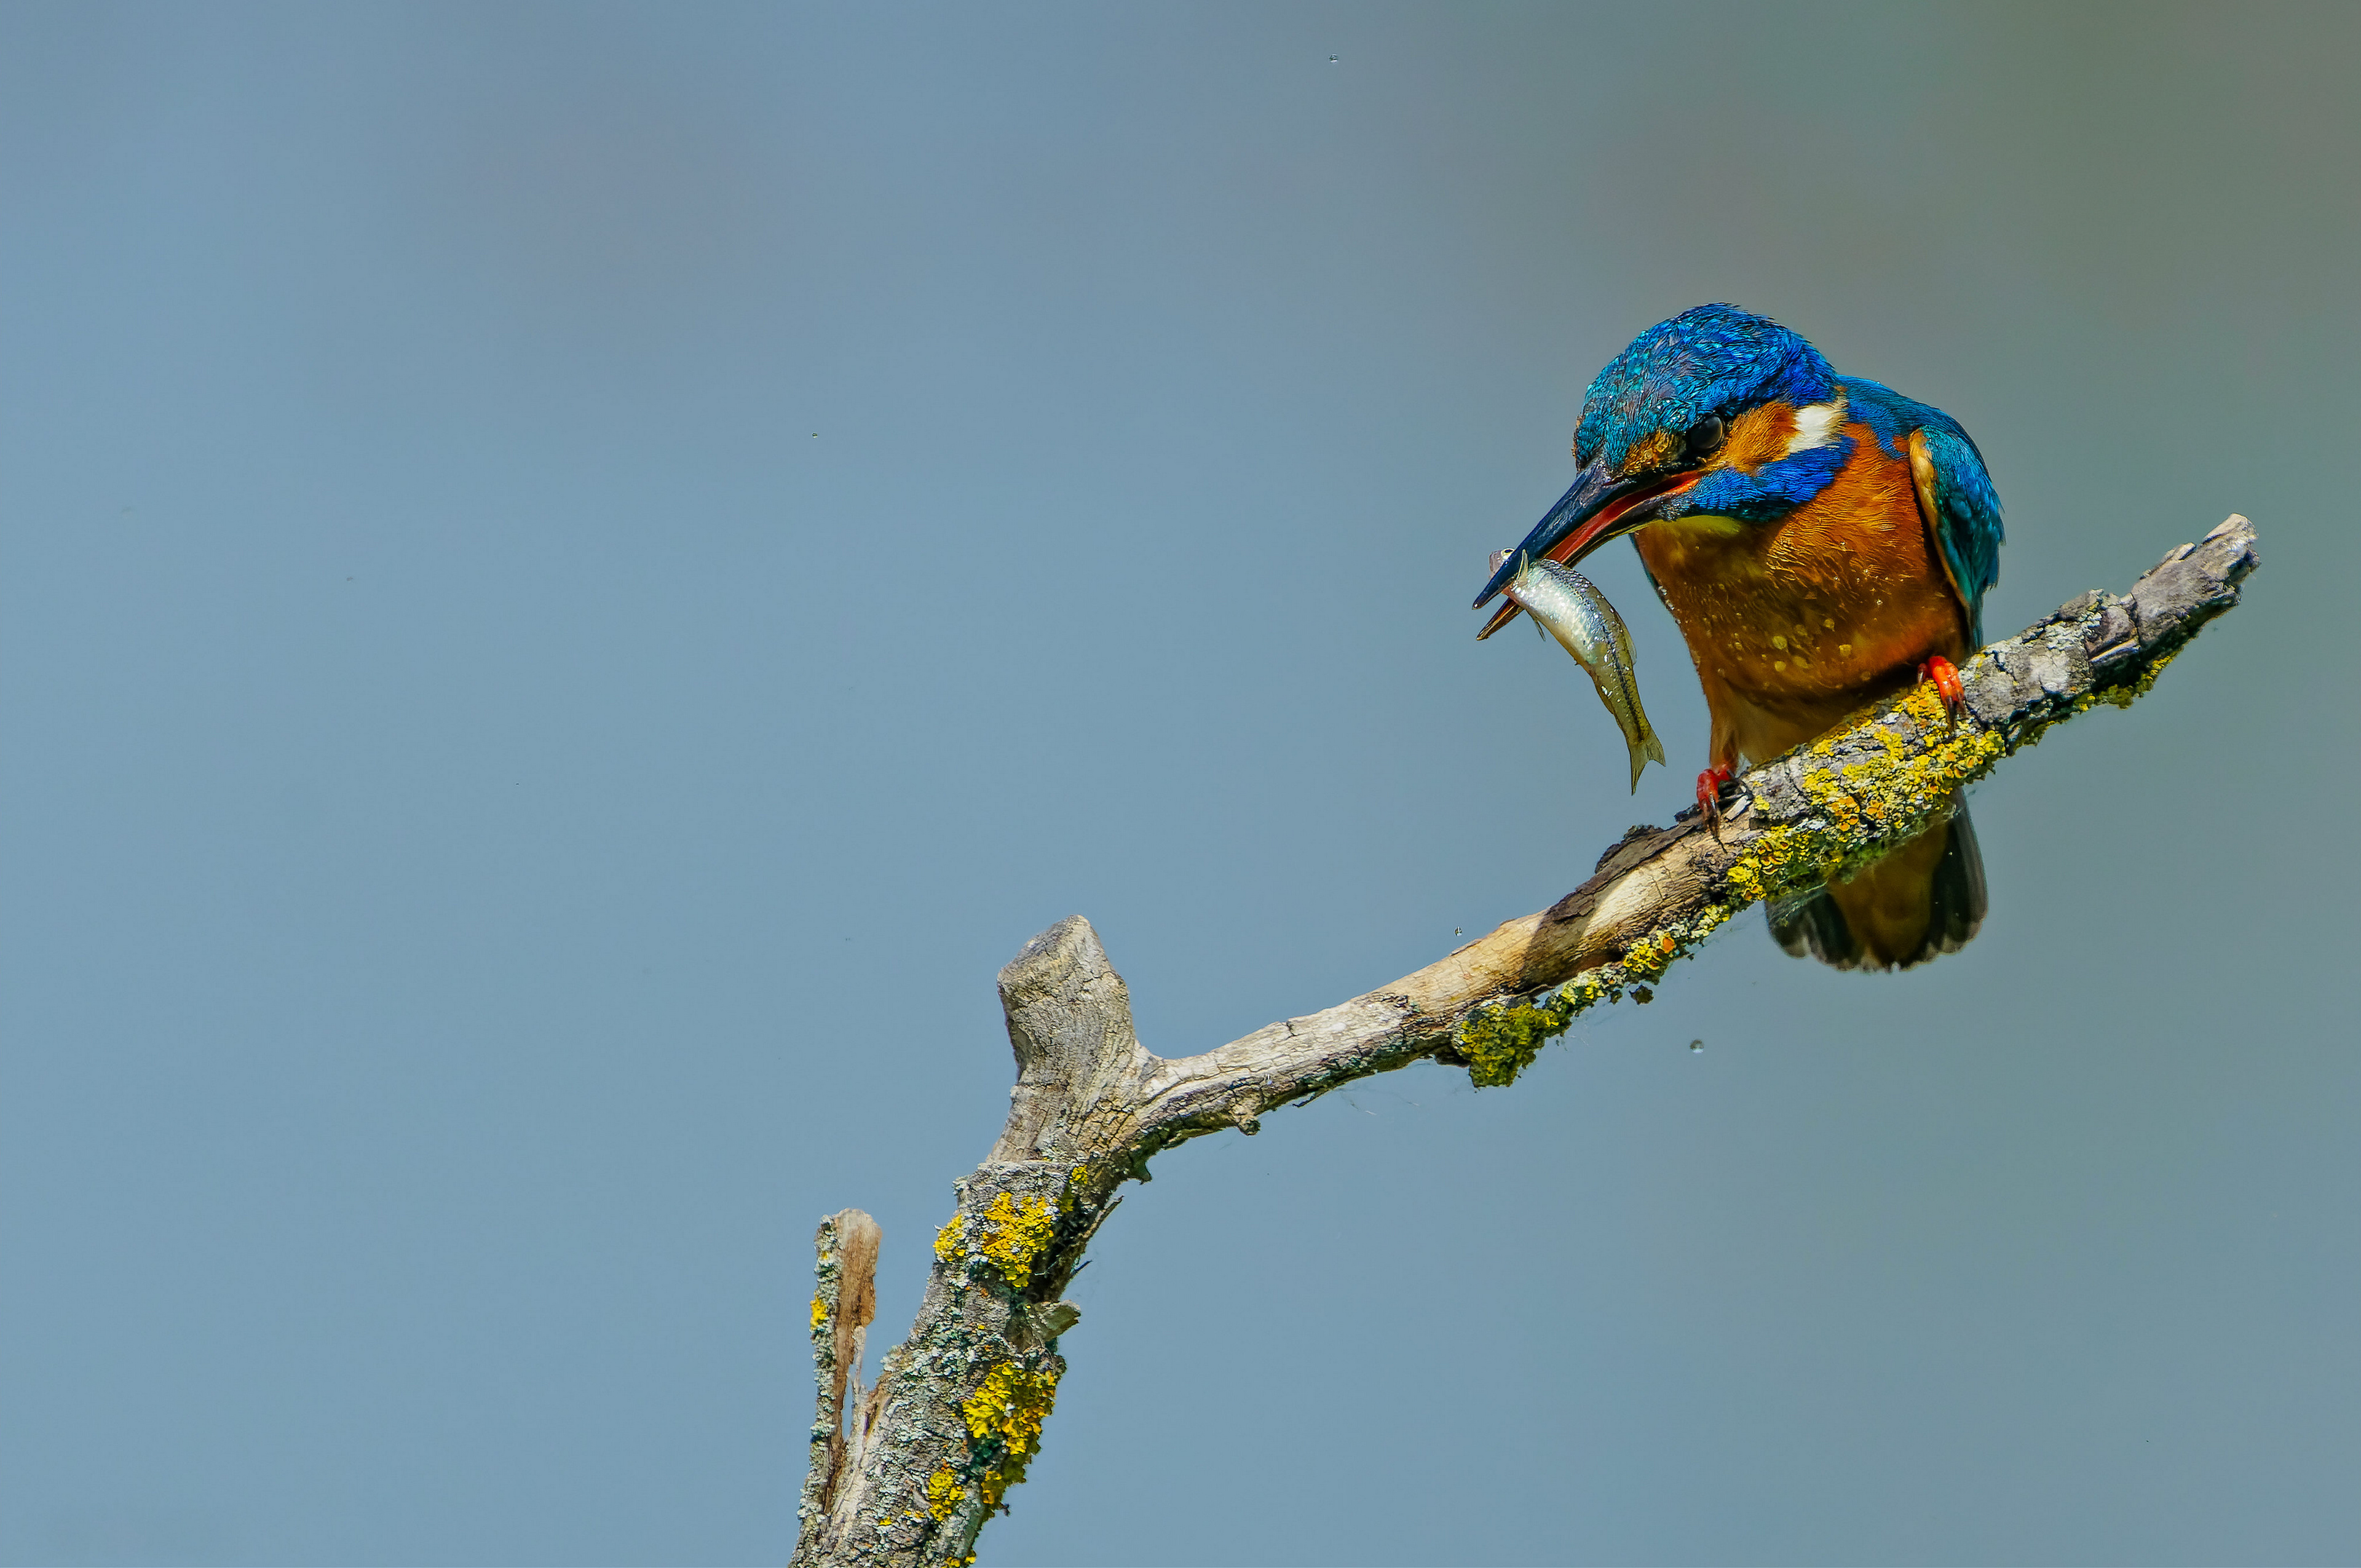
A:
x: 1822, y: 541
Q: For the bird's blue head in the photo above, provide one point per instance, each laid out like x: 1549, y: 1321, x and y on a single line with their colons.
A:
x: 1660, y: 418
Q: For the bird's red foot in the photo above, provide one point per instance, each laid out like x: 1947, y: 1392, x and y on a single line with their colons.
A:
x: 1709, y: 787
x: 1947, y: 685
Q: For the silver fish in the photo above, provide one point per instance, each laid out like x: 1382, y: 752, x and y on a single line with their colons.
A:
x: 1569, y: 606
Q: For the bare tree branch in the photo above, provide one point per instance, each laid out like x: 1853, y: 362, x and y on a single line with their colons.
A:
x: 909, y: 1472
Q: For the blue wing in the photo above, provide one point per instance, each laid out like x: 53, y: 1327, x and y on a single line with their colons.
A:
x: 1954, y: 491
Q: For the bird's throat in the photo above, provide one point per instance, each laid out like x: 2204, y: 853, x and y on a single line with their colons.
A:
x: 1690, y: 532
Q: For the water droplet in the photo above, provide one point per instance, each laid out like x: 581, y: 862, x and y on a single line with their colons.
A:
x: 1780, y: 644
x: 1697, y: 1045
x: 1828, y: 622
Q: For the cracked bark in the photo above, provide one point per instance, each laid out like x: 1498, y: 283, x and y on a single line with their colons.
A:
x: 909, y: 1471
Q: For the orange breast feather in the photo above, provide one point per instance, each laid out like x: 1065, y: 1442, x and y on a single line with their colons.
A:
x: 1794, y: 623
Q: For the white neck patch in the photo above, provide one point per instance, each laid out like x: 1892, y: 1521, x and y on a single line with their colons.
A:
x: 1815, y: 426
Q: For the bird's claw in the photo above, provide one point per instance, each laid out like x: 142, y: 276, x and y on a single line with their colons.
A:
x: 1709, y: 786
x: 1947, y: 685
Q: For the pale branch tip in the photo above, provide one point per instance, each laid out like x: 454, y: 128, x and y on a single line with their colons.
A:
x: 909, y: 1471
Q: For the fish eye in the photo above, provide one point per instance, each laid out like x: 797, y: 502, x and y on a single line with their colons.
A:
x: 1704, y: 437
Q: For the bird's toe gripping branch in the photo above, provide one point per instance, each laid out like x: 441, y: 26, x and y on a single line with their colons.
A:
x: 1948, y: 684
x: 1709, y: 786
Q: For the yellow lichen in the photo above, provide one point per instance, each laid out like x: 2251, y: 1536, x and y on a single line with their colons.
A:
x: 1499, y: 1042
x: 1080, y: 1177
x: 819, y: 1311
x: 1856, y: 809
x: 943, y: 1493
x: 1013, y: 1233
x: 1003, y: 1424
x: 1866, y: 804
x: 1647, y: 957
x: 2132, y: 691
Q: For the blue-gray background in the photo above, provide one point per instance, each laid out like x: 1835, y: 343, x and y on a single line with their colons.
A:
x: 576, y: 579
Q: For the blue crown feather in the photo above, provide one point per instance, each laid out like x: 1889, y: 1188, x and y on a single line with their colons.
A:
x: 1706, y: 360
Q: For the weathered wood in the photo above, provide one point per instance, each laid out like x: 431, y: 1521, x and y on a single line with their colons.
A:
x: 909, y: 1472
x: 843, y: 1309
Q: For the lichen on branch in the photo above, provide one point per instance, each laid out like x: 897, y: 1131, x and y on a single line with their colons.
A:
x: 909, y: 1472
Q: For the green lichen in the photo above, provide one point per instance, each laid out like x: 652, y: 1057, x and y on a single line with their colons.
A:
x: 1501, y: 1041
x: 1860, y: 808
x: 1860, y: 803
x: 1003, y: 1425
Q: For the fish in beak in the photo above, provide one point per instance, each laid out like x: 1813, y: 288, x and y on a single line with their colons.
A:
x: 1598, y: 507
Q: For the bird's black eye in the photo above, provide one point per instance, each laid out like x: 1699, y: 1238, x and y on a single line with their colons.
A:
x: 1704, y: 437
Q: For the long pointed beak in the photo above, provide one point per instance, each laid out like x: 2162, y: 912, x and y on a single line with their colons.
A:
x: 1598, y: 507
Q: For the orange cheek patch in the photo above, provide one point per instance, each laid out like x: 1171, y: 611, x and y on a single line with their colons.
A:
x: 1758, y: 436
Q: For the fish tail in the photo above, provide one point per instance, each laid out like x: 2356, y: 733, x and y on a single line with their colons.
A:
x: 1646, y: 747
